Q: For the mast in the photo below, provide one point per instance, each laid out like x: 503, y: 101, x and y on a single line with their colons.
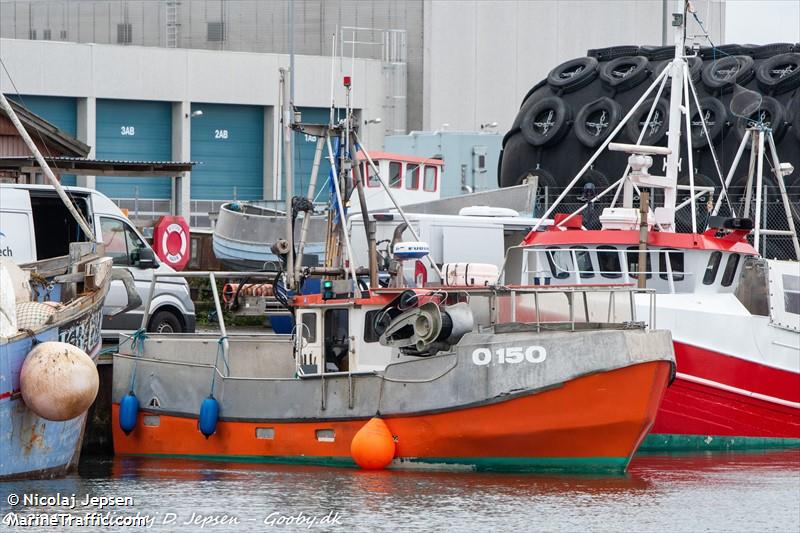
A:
x: 288, y: 165
x: 674, y: 133
x: 45, y: 167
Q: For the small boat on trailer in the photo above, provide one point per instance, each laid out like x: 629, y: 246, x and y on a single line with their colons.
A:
x: 399, y: 376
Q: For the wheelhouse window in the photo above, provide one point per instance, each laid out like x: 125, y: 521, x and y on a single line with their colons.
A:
x: 675, y: 265
x: 560, y: 262
x: 584, y: 260
x: 429, y: 180
x: 608, y: 262
x: 395, y: 175
x: 633, y: 263
x: 730, y: 270
x: 412, y: 177
x: 791, y: 294
x: 310, y: 327
x: 372, y: 177
x: 712, y: 267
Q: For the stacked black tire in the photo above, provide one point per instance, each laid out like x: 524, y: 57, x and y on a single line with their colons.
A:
x: 564, y: 118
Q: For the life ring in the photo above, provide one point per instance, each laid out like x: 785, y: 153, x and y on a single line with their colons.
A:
x: 546, y: 121
x: 716, y: 118
x: 779, y: 74
x: 573, y: 75
x: 624, y: 73
x: 656, y: 129
x: 721, y: 75
x: 596, y: 120
x: 171, y: 240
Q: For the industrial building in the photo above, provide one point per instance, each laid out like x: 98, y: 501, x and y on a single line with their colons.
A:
x: 197, y: 80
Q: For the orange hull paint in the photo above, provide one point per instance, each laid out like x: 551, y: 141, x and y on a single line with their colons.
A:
x: 601, y: 415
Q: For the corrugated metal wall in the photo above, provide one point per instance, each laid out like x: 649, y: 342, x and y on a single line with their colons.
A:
x: 137, y: 131
x: 228, y: 142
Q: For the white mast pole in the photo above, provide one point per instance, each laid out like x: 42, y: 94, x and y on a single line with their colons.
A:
x: 45, y: 167
x: 674, y: 133
x: 288, y: 166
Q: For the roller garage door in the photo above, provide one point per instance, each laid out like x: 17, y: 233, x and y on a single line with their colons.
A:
x: 228, y: 142
x: 135, y: 131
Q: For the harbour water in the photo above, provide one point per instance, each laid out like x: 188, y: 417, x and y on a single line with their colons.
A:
x: 749, y: 492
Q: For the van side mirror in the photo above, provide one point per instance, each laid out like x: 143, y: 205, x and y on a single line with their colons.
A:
x: 147, y: 258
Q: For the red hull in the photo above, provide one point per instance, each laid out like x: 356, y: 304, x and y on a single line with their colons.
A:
x: 706, y: 409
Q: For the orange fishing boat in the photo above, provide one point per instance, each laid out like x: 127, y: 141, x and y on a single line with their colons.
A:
x: 506, y: 395
x: 380, y: 373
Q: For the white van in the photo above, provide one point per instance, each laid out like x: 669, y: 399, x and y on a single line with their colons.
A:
x: 35, y: 225
x: 479, y: 235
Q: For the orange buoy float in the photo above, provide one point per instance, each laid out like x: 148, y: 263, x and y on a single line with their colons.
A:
x: 373, y: 446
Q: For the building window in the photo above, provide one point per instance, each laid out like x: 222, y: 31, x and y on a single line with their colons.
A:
x: 429, y: 183
x: 63, y: 34
x: 216, y: 32
x: 124, y: 33
x: 412, y: 177
x: 608, y: 262
x: 712, y: 267
x: 32, y: 35
x: 47, y: 35
x: 395, y: 175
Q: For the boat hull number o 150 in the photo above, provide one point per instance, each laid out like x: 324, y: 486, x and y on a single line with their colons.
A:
x: 510, y: 355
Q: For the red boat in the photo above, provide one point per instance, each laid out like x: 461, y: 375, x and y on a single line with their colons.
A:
x: 734, y: 315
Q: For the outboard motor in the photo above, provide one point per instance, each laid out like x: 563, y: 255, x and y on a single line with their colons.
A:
x: 428, y: 329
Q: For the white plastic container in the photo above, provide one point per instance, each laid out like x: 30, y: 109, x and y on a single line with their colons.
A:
x: 623, y: 218
x: 470, y: 274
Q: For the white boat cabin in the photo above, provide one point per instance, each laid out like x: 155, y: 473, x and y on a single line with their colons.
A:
x: 411, y: 179
x: 675, y: 262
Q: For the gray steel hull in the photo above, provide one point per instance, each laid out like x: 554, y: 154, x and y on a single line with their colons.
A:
x: 431, y: 405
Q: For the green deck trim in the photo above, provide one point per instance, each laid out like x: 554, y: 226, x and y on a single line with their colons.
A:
x: 583, y: 465
x: 672, y: 442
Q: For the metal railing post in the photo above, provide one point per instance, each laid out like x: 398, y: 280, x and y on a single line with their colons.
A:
x: 220, y: 318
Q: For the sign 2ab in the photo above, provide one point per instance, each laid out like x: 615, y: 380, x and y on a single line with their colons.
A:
x: 509, y: 355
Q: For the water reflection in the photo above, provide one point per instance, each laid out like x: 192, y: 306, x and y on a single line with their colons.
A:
x: 701, y: 491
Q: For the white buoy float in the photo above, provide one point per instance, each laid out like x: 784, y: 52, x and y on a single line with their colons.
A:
x: 58, y: 381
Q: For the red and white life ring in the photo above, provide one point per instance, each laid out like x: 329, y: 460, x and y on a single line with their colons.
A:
x: 171, y: 240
